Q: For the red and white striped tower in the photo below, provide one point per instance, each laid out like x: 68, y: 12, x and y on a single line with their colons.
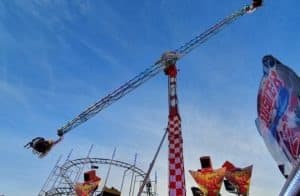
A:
x: 176, y: 164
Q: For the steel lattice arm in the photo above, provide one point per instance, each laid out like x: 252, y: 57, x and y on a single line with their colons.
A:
x: 111, y: 98
x: 152, y: 71
x: 192, y: 44
x: 166, y: 59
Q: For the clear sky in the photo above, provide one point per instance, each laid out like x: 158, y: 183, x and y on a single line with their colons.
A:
x: 58, y: 57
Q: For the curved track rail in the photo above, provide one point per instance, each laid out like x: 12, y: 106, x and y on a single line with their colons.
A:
x: 66, y: 185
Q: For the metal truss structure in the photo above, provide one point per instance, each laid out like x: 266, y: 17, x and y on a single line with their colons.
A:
x: 63, y: 177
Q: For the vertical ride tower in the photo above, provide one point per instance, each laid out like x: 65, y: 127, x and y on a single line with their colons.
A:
x: 176, y: 162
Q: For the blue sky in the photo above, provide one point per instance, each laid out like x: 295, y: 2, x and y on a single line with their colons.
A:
x: 58, y: 57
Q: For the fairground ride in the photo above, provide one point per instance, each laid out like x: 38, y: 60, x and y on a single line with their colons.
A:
x: 167, y: 62
x: 66, y: 174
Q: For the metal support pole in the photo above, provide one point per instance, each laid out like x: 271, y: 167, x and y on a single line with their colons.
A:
x: 155, y: 187
x: 134, y: 185
x: 292, y: 184
x: 152, y: 164
x: 57, y: 177
x: 123, y: 178
x: 52, y: 173
x: 81, y: 168
x: 108, y: 171
x: 69, y: 155
x: 135, y: 156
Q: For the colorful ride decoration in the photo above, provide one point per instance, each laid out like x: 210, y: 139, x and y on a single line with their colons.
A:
x: 278, y: 110
x: 239, y: 178
x: 209, y: 180
x: 90, y: 184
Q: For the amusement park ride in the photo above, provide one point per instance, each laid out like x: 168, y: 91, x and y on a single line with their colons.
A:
x: 167, y: 63
x: 64, y: 179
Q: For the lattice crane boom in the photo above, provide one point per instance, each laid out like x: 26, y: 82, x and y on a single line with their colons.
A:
x: 150, y: 72
x: 111, y: 98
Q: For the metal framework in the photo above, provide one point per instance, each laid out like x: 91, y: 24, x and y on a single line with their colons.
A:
x: 151, y: 71
x: 63, y: 177
x: 176, y: 187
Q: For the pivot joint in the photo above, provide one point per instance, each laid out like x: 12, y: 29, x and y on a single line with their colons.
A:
x: 169, y: 58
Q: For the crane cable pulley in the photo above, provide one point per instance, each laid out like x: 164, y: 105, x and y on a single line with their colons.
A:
x: 153, y: 70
